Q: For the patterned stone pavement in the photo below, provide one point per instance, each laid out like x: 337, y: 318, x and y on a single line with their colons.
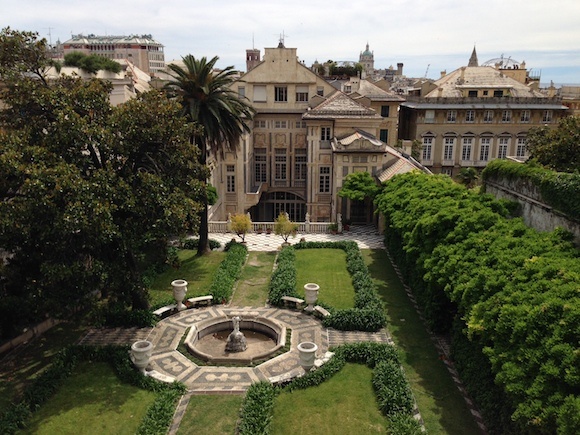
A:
x: 366, y: 236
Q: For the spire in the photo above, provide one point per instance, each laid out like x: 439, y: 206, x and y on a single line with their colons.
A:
x: 473, y: 59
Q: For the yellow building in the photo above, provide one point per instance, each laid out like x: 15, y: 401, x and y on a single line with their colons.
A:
x: 305, y: 138
x: 476, y: 114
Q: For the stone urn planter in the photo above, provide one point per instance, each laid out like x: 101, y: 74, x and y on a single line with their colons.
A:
x: 307, y: 354
x: 311, y: 295
x: 179, y: 290
x: 141, y: 354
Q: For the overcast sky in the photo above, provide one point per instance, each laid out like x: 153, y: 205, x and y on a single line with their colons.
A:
x: 426, y: 36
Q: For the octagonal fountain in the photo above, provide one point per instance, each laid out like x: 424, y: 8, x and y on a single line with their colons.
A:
x: 216, y: 340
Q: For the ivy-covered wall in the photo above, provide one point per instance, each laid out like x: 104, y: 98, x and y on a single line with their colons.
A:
x: 548, y: 199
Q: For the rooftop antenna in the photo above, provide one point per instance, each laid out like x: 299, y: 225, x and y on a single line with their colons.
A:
x: 281, y: 40
x: 49, y: 35
x: 427, y: 70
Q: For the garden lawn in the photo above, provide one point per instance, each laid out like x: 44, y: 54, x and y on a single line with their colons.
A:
x: 211, y: 414
x: 344, y: 404
x: 327, y: 268
x: 22, y: 365
x: 440, y: 403
x: 92, y: 401
x: 198, y: 271
x: 252, y: 288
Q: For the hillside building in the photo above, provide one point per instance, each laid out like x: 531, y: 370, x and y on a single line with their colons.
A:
x: 143, y: 51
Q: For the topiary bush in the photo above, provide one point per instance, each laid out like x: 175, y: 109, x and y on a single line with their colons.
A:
x: 228, y: 272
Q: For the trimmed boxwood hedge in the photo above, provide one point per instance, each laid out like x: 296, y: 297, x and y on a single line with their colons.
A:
x: 228, y: 272
x: 389, y: 382
x: 368, y: 313
x: 157, y: 419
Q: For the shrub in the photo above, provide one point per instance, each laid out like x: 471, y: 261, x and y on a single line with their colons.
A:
x: 228, y: 272
x: 257, y: 408
x: 241, y: 224
x: 193, y: 244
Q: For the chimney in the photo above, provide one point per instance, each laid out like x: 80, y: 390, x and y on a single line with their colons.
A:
x: 443, y: 73
x: 399, y: 69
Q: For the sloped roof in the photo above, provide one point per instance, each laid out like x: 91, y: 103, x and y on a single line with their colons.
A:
x: 374, y: 93
x: 479, y: 77
x: 340, y: 105
x: 400, y: 166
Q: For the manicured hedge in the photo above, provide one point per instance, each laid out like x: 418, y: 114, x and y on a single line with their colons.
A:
x: 390, y: 384
x: 157, y: 419
x: 228, y: 272
x: 368, y: 313
x: 513, y: 290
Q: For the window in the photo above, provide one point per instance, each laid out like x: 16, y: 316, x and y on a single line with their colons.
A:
x: 427, y: 148
x: 260, y: 93
x: 448, y: 148
x: 547, y: 117
x: 260, y: 165
x: 470, y: 116
x: 521, y: 147
x: 472, y: 94
x: 451, y: 115
x: 280, y: 164
x: 525, y: 116
x: 466, y: 149
x: 260, y: 123
x: 384, y: 135
x: 320, y: 91
x: 385, y: 111
x: 230, y: 179
x: 324, y: 186
x: 280, y: 124
x: 484, y: 150
x: 242, y: 92
x: 447, y: 171
x: 281, y: 94
x: 300, y: 165
x: 429, y: 116
x: 485, y: 93
x: 325, y: 133
x: 498, y: 93
x: 488, y: 116
x: 503, y: 147
x: 506, y: 116
x: 301, y: 93
x: 300, y: 124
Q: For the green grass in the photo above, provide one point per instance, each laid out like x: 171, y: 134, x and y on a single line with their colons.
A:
x: 211, y: 414
x: 28, y: 361
x: 345, y: 404
x: 92, y: 401
x: 252, y: 288
x: 327, y: 268
x: 197, y: 271
x: 440, y: 403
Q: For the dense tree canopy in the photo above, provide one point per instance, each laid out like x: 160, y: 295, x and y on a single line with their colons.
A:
x: 91, y: 63
x: 511, y: 291
x: 359, y: 186
x: 89, y: 193
x: 558, y: 148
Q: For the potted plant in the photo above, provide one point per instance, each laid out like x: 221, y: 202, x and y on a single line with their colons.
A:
x: 333, y: 228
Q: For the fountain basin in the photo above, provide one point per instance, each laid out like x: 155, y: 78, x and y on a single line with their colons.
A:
x: 207, y: 339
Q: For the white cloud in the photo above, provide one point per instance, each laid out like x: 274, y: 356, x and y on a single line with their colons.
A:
x: 415, y: 32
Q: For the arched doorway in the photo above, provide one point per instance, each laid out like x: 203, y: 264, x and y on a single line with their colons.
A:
x: 273, y: 203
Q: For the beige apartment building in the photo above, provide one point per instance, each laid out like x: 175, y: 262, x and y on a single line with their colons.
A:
x: 305, y: 138
x: 143, y: 51
x: 476, y: 114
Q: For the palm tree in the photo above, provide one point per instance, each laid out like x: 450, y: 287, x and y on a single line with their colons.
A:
x: 216, y: 110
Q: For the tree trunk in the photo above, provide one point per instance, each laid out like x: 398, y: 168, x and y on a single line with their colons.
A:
x: 203, y: 246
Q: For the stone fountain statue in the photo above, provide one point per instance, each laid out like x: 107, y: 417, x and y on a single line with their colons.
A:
x: 236, y: 340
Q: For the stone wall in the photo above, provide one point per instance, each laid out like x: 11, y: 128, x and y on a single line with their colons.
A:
x: 535, y: 212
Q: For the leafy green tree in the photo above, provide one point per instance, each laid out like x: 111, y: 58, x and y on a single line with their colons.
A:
x: 558, y: 148
x: 91, y: 63
x: 89, y: 192
x: 359, y: 186
x: 468, y: 177
x: 241, y: 225
x: 285, y: 227
x: 208, y: 102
